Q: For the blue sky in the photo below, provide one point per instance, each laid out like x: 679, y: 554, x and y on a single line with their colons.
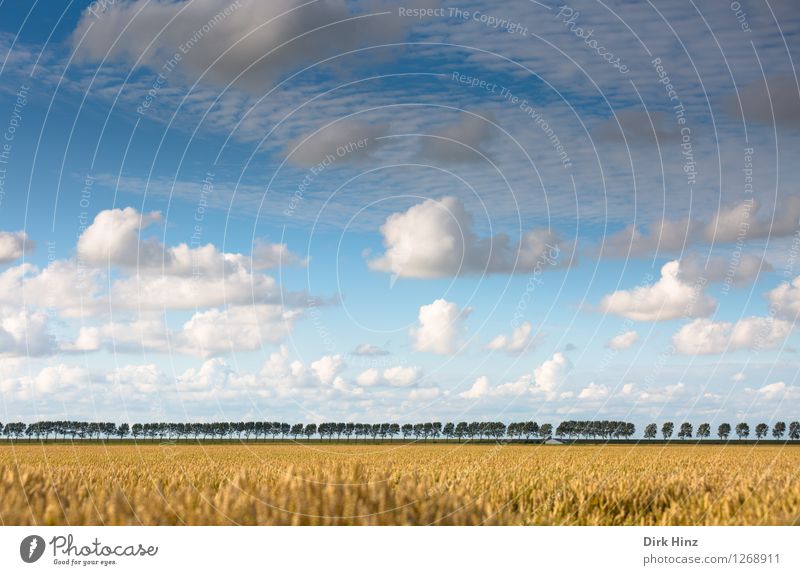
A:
x: 382, y: 211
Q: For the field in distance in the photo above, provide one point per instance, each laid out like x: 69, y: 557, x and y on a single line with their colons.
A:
x: 398, y: 485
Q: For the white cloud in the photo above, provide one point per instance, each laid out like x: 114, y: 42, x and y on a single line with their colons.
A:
x: 328, y: 367
x: 778, y: 390
x: 62, y: 285
x: 145, y: 379
x: 435, y: 239
x: 396, y: 376
x: 401, y: 376
x: 238, y: 328
x: 114, y: 238
x: 785, y: 299
x: 520, y: 340
x: 623, y: 340
x: 24, y: 333
x: 545, y: 381
x: 207, y: 333
x: 479, y: 389
x: 549, y: 376
x: 738, y: 376
x: 661, y: 395
x: 594, y: 391
x: 66, y: 382
x: 369, y: 377
x: 704, y: 336
x: 440, y: 327
x: 668, y: 298
x: 13, y: 245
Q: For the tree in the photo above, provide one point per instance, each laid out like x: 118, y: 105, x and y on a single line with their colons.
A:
x: 703, y: 431
x: 529, y: 429
x: 761, y: 430
x: 123, y: 430
x: 685, y: 431
x: 667, y: 429
x: 742, y: 430
x: 794, y: 430
x: 650, y: 431
x: 779, y: 430
x: 449, y: 430
x: 546, y: 431
x: 724, y: 430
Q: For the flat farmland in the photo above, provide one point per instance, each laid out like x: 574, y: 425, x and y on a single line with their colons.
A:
x: 408, y: 484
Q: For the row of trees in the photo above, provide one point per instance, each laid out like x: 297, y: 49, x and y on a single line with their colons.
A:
x: 686, y: 430
x: 596, y: 429
x: 250, y: 430
x: 254, y: 430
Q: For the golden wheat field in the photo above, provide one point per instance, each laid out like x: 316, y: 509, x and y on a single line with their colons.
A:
x: 398, y: 485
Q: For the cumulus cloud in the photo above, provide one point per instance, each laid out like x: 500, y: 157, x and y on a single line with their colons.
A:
x: 593, y: 392
x: 522, y: 339
x: 13, y: 245
x: 206, y: 333
x: 623, y: 340
x: 785, y: 299
x: 249, y: 42
x: 460, y: 142
x: 480, y: 388
x: 328, y: 367
x: 344, y: 141
x: 114, y: 238
x: 236, y: 328
x: 657, y: 395
x: 145, y: 379
x: 24, y: 333
x: 174, y: 277
x: 668, y: 298
x: 67, y: 382
x: 435, y: 239
x: 396, y: 376
x: 440, y: 328
x: 549, y: 376
x: 62, y: 285
x: 777, y: 390
x: 545, y: 381
x: 704, y: 336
